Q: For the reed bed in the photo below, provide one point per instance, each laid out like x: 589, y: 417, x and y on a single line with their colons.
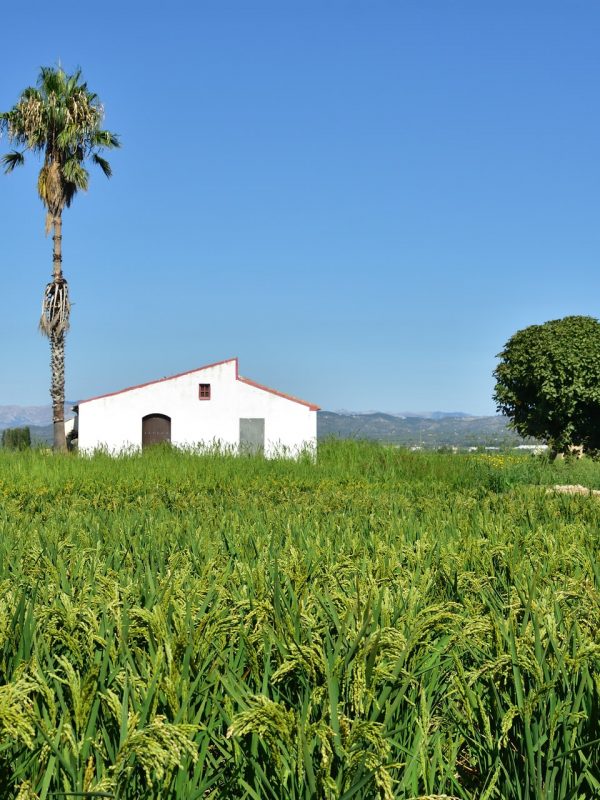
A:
x: 380, y: 624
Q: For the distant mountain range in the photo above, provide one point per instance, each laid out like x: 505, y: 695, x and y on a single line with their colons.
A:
x: 18, y: 416
x: 406, y: 414
x: 437, y: 429
x: 425, y: 429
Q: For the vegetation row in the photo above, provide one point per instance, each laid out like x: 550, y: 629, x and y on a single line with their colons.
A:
x: 381, y: 624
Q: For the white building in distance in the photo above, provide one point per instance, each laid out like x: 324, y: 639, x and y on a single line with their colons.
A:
x: 208, y: 406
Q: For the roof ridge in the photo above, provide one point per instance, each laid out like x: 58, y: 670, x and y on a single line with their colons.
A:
x: 238, y: 377
x: 160, y: 380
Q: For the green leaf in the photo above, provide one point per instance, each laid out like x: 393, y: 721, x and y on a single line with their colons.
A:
x: 103, y: 164
x: 12, y: 160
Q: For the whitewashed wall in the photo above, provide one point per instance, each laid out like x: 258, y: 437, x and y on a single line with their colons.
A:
x: 114, y: 422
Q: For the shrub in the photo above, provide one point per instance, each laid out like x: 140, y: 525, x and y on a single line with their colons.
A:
x: 16, y: 438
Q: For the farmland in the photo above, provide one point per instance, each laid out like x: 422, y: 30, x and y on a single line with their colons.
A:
x: 381, y: 624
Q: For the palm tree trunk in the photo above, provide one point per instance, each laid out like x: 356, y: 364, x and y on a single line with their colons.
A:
x: 57, y: 390
x: 57, y: 348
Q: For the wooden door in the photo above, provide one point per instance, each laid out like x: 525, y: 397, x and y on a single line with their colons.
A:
x: 156, y: 428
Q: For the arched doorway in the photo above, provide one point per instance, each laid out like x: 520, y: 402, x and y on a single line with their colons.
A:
x: 156, y: 428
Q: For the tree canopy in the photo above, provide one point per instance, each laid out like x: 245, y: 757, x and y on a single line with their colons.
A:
x: 60, y: 118
x: 548, y: 382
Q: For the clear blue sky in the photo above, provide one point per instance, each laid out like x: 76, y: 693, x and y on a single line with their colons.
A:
x: 362, y: 199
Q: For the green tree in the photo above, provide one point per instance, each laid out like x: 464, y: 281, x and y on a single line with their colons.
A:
x: 548, y: 383
x: 60, y: 120
x: 16, y: 438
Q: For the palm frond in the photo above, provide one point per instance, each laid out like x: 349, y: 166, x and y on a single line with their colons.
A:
x: 61, y: 118
x: 72, y: 81
x: 68, y: 137
x: 56, y: 308
x: 103, y: 164
x: 105, y: 139
x: 69, y: 192
x: 12, y: 160
x: 31, y: 93
x: 51, y: 189
x: 51, y: 80
x: 74, y: 172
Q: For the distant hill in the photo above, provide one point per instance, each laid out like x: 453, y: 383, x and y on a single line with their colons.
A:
x: 433, y: 414
x: 405, y: 414
x: 41, y: 434
x: 17, y: 416
x: 438, y: 429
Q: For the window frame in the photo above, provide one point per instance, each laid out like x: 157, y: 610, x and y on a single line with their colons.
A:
x: 204, y: 391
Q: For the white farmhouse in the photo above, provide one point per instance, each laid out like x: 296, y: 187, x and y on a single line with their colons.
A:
x: 212, y: 405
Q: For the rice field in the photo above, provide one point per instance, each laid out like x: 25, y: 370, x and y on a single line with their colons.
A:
x: 380, y: 624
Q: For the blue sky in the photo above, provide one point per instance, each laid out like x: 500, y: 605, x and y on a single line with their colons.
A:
x: 362, y: 199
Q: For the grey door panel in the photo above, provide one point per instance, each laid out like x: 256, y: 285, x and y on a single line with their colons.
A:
x: 252, y: 435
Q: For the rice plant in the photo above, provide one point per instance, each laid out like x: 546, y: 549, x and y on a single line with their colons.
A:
x: 379, y: 624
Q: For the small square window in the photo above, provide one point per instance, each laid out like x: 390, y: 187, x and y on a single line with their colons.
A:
x: 204, y: 391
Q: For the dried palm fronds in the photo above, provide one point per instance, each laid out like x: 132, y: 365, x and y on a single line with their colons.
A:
x: 56, y: 308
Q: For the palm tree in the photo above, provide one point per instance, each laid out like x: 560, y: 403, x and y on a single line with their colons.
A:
x: 60, y: 119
